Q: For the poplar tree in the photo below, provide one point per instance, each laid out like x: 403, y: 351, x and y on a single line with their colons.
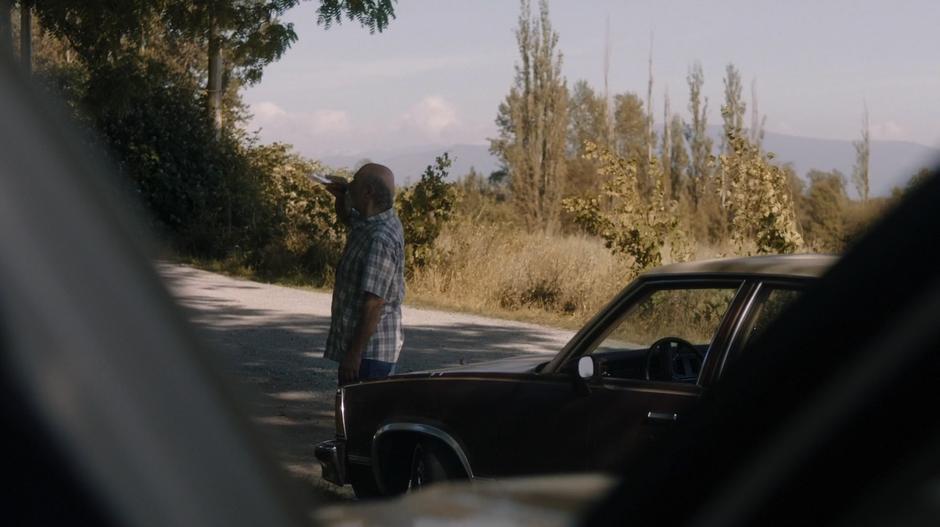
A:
x: 756, y: 132
x: 862, y: 156
x: 532, y: 122
x: 630, y: 135
x: 587, y: 122
x: 678, y: 159
x: 699, y: 142
x: 732, y: 113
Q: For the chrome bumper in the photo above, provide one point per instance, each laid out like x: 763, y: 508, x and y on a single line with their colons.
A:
x: 332, y: 457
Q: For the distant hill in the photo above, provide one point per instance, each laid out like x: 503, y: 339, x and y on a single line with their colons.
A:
x: 892, y: 162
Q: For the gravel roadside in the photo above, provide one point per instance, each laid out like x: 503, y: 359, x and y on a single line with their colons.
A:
x: 270, y: 339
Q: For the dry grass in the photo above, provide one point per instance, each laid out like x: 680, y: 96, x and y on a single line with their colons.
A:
x: 503, y: 271
x: 500, y: 270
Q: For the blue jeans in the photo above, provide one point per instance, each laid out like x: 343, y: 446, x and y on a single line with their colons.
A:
x: 375, y: 369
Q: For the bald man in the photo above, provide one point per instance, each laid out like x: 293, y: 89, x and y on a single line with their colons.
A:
x: 365, y: 325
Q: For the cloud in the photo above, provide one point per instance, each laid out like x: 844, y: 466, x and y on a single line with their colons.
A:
x: 889, y: 131
x: 328, y: 121
x: 432, y: 116
x: 269, y: 115
x: 267, y: 110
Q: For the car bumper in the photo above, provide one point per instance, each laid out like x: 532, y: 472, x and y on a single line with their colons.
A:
x: 332, y: 457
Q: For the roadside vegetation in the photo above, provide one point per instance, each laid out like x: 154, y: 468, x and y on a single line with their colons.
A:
x: 592, y: 190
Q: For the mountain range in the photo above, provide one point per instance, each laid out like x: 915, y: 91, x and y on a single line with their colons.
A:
x: 892, y: 163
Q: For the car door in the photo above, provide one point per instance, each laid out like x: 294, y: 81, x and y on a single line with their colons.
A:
x: 545, y: 426
x: 629, y: 404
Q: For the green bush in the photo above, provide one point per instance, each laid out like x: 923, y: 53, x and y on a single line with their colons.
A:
x: 424, y: 209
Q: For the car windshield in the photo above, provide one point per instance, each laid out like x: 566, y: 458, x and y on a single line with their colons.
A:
x: 691, y: 314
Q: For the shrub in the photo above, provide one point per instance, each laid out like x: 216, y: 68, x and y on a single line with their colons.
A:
x: 424, y: 209
x: 629, y: 223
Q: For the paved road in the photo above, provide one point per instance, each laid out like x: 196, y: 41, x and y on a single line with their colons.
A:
x: 270, y: 338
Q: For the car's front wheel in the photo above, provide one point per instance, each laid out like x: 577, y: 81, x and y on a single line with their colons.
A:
x: 363, y: 482
x: 432, y: 463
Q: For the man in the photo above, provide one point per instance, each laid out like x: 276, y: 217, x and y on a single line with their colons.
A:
x: 365, y: 327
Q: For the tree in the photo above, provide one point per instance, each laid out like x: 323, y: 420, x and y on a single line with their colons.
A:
x: 240, y: 39
x: 629, y: 140
x: 732, y: 111
x: 666, y: 155
x: 636, y: 226
x: 424, y: 209
x: 756, y: 132
x: 587, y: 118
x: 862, y: 155
x: 373, y: 14
x: 26, y: 37
x: 650, y: 134
x: 697, y: 136
x: 532, y: 122
x: 762, y: 210
x: 587, y: 122
x: 824, y: 215
x: 678, y: 159
x: 237, y: 38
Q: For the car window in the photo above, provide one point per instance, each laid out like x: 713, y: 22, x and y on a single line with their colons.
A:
x: 775, y: 302
x: 690, y: 314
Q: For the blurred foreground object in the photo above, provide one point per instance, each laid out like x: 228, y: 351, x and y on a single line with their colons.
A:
x: 111, y: 407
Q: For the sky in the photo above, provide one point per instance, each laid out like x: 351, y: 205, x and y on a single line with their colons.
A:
x: 437, y: 74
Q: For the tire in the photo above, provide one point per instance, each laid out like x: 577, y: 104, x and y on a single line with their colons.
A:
x: 432, y: 463
x: 363, y: 482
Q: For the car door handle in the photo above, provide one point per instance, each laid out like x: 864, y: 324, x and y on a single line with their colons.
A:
x: 662, y: 417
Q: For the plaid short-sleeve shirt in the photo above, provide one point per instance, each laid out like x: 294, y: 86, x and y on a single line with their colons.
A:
x: 372, y: 262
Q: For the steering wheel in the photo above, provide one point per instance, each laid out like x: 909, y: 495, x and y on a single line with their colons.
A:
x: 668, y: 349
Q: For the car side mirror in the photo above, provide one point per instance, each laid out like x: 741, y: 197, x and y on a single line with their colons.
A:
x: 586, y: 368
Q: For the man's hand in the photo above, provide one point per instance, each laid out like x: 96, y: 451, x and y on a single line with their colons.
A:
x: 337, y: 186
x: 349, y: 369
x: 368, y: 320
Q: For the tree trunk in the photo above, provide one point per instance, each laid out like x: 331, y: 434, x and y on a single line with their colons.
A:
x: 26, y: 37
x: 6, y: 29
x: 214, y: 88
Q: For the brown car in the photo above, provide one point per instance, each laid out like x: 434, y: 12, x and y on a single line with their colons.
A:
x: 637, y: 367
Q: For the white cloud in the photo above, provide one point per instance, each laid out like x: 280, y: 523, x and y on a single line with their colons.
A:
x: 267, y: 110
x: 270, y: 116
x: 432, y: 116
x: 889, y: 131
x: 327, y: 121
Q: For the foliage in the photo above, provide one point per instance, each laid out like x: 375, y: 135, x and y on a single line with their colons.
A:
x: 373, y: 14
x: 678, y: 160
x: 250, y: 32
x: 480, y: 200
x: 696, y: 135
x: 424, y: 209
x: 588, y: 121
x: 860, y: 174
x: 631, y: 226
x: 532, y: 122
x: 762, y: 211
x: 824, y: 218
x: 732, y: 111
x: 294, y: 230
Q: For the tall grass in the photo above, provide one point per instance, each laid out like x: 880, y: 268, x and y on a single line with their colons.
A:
x: 502, y: 270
